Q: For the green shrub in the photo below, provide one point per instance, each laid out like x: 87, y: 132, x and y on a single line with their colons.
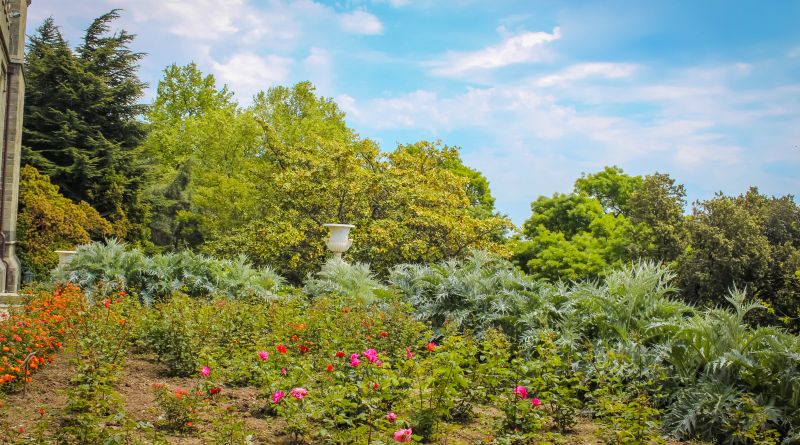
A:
x: 112, y: 266
x: 48, y: 221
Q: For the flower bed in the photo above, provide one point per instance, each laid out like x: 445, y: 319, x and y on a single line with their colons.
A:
x: 30, y: 336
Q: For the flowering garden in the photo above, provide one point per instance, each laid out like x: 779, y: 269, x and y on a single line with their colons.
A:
x: 463, y: 352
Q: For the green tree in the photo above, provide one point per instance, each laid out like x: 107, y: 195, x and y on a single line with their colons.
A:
x: 655, y: 208
x: 184, y: 92
x: 262, y: 181
x: 582, y: 234
x: 310, y: 168
x: 191, y: 120
x: 478, y: 191
x: 751, y: 241
x: 569, y: 214
x: 81, y: 122
x: 727, y: 249
x: 611, y: 187
x: 49, y: 221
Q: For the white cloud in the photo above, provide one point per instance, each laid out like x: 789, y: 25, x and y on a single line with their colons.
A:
x: 526, y: 47
x: 697, y: 156
x: 684, y: 121
x: 587, y: 70
x: 794, y: 53
x: 317, y: 69
x: 205, y: 20
x: 360, y: 22
x: 247, y: 73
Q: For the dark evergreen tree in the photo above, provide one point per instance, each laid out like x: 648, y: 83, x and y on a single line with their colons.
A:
x: 82, y: 124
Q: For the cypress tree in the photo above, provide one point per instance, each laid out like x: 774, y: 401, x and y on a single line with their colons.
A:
x: 82, y: 124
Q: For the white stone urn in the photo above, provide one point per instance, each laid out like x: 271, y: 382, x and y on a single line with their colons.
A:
x: 64, y: 257
x: 339, y: 240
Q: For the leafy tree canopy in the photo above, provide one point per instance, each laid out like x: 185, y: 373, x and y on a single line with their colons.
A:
x: 262, y: 180
x: 48, y: 221
x: 750, y: 241
x: 611, y: 187
x: 82, y: 123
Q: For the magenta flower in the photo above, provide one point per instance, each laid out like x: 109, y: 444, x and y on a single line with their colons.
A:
x: 391, y: 417
x: 205, y: 371
x: 277, y: 396
x: 263, y: 355
x: 378, y: 362
x: 535, y: 401
x: 299, y: 393
x: 403, y: 435
x: 409, y: 354
x: 354, y: 361
x: 371, y: 355
x: 283, y: 371
x: 521, y: 392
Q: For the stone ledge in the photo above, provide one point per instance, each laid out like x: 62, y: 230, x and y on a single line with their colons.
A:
x: 10, y: 299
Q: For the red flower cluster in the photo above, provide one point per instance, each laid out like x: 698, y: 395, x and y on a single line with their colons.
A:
x: 29, y: 338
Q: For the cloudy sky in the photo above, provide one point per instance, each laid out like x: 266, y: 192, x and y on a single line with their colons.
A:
x: 535, y: 92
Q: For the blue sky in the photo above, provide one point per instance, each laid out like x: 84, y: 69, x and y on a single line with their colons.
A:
x: 535, y: 92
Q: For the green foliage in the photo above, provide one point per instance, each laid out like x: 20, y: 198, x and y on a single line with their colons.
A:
x: 185, y: 92
x: 568, y: 214
x: 94, y: 412
x: 741, y: 251
x: 612, y: 188
x: 655, y: 208
x: 622, y: 399
x: 480, y: 196
x: 112, y: 266
x: 750, y: 241
x: 610, y: 218
x: 571, y: 237
x: 735, y: 378
x: 200, y: 141
x: 722, y: 377
x: 474, y: 294
x: 172, y: 333
x: 81, y: 120
x: 349, y: 281
x: 178, y: 407
x: 48, y: 221
x: 263, y: 180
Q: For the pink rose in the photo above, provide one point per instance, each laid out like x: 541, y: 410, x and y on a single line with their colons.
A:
x: 403, y: 435
x: 277, y: 396
x: 391, y: 417
x: 263, y: 355
x: 299, y: 393
x: 521, y: 392
x: 205, y: 371
x: 371, y: 355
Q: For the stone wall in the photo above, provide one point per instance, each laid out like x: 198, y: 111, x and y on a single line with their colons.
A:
x: 12, y: 25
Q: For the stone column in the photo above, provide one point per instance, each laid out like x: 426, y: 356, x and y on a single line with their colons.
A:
x: 16, y: 12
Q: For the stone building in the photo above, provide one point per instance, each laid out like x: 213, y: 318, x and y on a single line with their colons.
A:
x: 12, y: 95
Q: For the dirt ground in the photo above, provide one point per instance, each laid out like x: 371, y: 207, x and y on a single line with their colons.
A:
x: 47, y: 391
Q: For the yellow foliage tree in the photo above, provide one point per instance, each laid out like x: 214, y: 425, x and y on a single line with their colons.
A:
x: 48, y: 221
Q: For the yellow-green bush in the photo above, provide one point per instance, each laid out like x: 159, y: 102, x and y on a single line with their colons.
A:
x: 48, y: 221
